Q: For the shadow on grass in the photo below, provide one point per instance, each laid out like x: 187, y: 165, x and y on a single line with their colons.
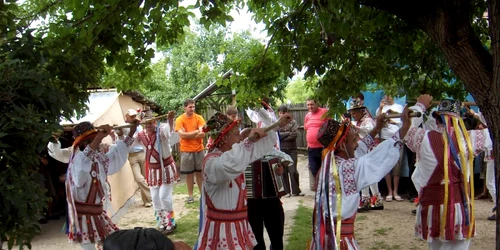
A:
x: 301, y: 231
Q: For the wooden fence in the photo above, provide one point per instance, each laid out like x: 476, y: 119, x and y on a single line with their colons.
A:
x: 299, y: 111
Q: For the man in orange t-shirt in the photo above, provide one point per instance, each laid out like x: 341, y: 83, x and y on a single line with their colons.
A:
x: 189, y: 126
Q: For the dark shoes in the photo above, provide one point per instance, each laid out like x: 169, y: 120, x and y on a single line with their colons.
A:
x: 289, y: 195
x: 414, y: 211
x: 376, y: 203
x: 43, y: 220
x: 494, y: 215
x: 364, y: 205
x: 168, y: 229
x: 482, y: 196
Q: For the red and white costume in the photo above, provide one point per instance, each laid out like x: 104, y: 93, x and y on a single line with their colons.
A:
x: 87, y: 189
x: 365, y: 126
x: 161, y: 174
x: 369, y: 166
x: 224, y: 222
x: 428, y: 178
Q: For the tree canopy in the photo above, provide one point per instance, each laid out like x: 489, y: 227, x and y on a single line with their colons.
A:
x: 406, y: 46
x: 200, y: 60
x: 297, y: 91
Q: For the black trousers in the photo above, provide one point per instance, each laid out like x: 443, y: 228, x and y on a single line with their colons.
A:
x: 412, y: 192
x: 314, y: 159
x: 290, y: 173
x: 268, y: 213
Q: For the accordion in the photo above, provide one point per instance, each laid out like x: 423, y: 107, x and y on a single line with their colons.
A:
x: 262, y: 181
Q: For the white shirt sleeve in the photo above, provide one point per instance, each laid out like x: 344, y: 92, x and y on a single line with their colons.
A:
x: 233, y: 163
x: 118, y: 155
x: 173, y: 137
x: 480, y: 140
x: 373, y: 166
x: 80, y: 166
x: 58, y: 153
x: 280, y: 154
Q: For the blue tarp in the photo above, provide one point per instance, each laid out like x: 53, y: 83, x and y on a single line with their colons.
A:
x: 372, y: 100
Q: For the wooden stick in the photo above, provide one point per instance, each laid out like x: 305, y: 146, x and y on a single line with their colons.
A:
x: 463, y: 103
x: 267, y: 129
x: 69, y: 127
x: 398, y: 115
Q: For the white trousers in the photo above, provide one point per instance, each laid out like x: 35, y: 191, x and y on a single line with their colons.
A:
x: 162, y: 197
x: 365, y: 192
x: 438, y: 244
x: 490, y: 179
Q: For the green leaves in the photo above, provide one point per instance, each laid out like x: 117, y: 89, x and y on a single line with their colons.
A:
x: 42, y: 80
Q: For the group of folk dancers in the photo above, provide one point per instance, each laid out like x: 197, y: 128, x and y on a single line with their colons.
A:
x: 445, y: 214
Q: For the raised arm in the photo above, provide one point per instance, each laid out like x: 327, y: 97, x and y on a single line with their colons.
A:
x: 172, y: 137
x: 61, y: 154
x: 117, y: 156
x: 373, y: 166
x: 367, y: 125
x: 423, y: 103
x: 233, y: 163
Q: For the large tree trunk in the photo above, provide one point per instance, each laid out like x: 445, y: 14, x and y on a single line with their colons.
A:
x: 494, y: 22
x: 448, y: 24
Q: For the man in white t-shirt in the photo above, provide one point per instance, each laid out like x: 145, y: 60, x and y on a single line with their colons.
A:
x: 387, y: 105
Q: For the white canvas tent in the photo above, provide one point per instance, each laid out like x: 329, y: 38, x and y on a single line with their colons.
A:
x: 109, y: 107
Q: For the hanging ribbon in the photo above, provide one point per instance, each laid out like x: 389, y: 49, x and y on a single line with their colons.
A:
x: 329, y: 205
x: 158, y: 143
x: 446, y: 181
x: 459, y: 164
x: 338, y: 190
x: 470, y: 176
x: 465, y: 168
x: 319, y: 237
x: 451, y: 149
x: 464, y: 164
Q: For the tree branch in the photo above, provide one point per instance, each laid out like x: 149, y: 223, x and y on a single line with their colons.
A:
x: 494, y: 25
x: 448, y: 24
x: 282, y: 21
x: 43, y: 10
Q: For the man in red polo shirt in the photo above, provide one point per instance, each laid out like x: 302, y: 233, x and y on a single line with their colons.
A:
x: 312, y: 122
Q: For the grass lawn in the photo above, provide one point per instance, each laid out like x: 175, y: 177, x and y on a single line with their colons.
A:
x: 187, y: 225
x: 300, y: 232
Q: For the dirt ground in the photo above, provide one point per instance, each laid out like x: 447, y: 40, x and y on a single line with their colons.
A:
x: 391, y: 228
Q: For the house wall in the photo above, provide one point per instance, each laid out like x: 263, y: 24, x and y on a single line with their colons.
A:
x: 122, y: 183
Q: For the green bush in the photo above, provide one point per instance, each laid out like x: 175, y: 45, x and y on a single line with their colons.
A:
x: 40, y: 84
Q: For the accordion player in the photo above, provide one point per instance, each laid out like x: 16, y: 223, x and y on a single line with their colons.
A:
x: 262, y: 182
